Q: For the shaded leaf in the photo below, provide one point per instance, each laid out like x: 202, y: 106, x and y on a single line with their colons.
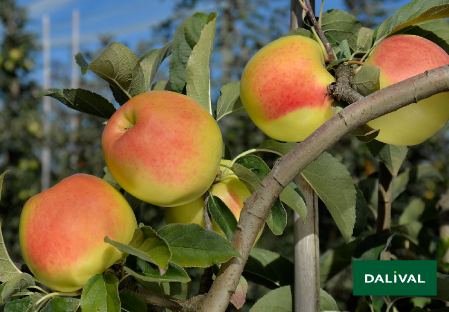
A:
x: 411, y: 176
x: 391, y: 155
x: 100, y: 294
x: 18, y: 305
x: 193, y: 246
x: 334, y: 185
x: 364, y: 39
x: 132, y: 201
x: 180, y: 291
x: 245, y: 175
x: 412, y: 212
x: 17, y: 284
x: 345, y: 50
x: 147, y: 245
x: 278, y: 147
x: 197, y: 70
x: 366, y: 80
x: 442, y: 247
x: 279, y: 300
x: 151, y: 61
x: 255, y: 164
x: 373, y: 246
x: 62, y: 305
x: 79, y: 59
x: 239, y: 297
x: 83, y: 101
x: 277, y: 218
x: 300, y: 32
x: 162, y: 85
x: 110, y: 179
x: 361, y: 212
x: 222, y: 215
x: 292, y: 198
x: 132, y: 302
x: 341, y: 25
x: 229, y: 101
x: 327, y: 303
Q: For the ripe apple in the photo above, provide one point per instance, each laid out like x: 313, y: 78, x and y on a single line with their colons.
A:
x: 229, y: 189
x: 163, y: 148
x: 284, y: 88
x: 401, y: 57
x: 62, y: 231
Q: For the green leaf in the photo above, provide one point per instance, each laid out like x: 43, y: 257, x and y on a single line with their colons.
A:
x: 62, y: 305
x: 238, y: 298
x: 373, y: 246
x: 162, y: 85
x: 442, y: 247
x: 278, y: 147
x: 436, y: 31
x: 391, y: 155
x: 79, y: 59
x: 197, y: 70
x: 132, y: 201
x: 279, y: 300
x: 18, y: 305
x: 255, y: 164
x: 366, y: 80
x: 364, y: 306
x: 414, y: 12
x: 120, y: 67
x: 17, y: 284
x: 132, y: 302
x: 277, y: 218
x: 341, y: 25
x: 364, y: 39
x: 268, y: 268
x: 180, y: 291
x: 83, y: 101
x: 110, y: 179
x: 193, y: 246
x: 412, y: 212
x: 361, y: 212
x: 411, y: 176
x: 100, y: 294
x: 245, y: 175
x: 345, y: 50
x: 300, y: 32
x: 222, y: 215
x: 148, y: 272
x: 147, y: 245
x: 365, y: 133
x: 334, y: 185
x: 151, y: 61
x: 327, y: 303
x: 229, y: 101
x: 182, y: 48
x: 293, y: 199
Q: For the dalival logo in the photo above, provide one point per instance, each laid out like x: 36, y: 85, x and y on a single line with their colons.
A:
x: 396, y: 278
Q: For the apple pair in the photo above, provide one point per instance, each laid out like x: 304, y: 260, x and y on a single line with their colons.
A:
x: 284, y: 89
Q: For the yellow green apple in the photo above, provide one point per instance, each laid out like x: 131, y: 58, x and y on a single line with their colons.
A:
x: 163, y: 148
x: 284, y: 88
x: 401, y: 57
x: 62, y: 231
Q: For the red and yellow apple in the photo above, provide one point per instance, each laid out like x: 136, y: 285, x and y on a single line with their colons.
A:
x: 228, y: 188
x: 163, y: 148
x: 62, y: 231
x: 284, y: 88
x: 401, y: 57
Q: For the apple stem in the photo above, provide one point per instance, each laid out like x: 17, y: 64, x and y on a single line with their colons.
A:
x: 38, y: 288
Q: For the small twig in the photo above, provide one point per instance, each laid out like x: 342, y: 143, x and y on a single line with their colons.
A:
x: 384, y: 204
x: 309, y: 11
x: 342, y: 88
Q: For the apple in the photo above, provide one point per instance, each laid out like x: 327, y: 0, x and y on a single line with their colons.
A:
x: 163, y: 148
x: 62, y: 231
x: 401, y: 57
x: 284, y: 88
x: 228, y: 188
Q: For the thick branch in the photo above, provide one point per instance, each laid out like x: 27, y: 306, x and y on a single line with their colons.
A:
x: 257, y: 207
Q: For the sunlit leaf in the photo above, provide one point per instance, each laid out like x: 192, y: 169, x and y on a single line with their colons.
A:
x: 100, y: 294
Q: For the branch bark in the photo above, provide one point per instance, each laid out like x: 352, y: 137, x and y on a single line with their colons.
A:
x: 257, y: 207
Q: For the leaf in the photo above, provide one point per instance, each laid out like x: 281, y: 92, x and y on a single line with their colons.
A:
x: 193, y: 246
x: 366, y: 80
x: 364, y: 306
x: 268, y: 268
x: 17, y: 284
x: 245, y: 175
x: 291, y: 197
x: 229, y: 101
x: 278, y: 147
x: 197, y: 70
x: 100, y: 294
x: 341, y: 25
x: 279, y: 300
x: 411, y: 176
x: 83, y: 101
x: 300, y: 32
x: 79, y: 59
x: 147, y: 245
x: 180, y: 291
x: 132, y: 302
x: 361, y: 212
x: 436, y: 31
x: 412, y: 13
x: 148, y: 272
x: 62, y: 305
x: 162, y: 85
x: 391, y: 155
x: 327, y: 303
x: 255, y: 164
x: 151, y: 61
x: 334, y: 185
x: 365, y: 133
x: 238, y: 298
x: 373, y: 246
x: 345, y: 50
x: 364, y: 39
x: 412, y: 212
x: 182, y: 49
x: 442, y: 247
x: 277, y: 218
x: 18, y: 305
x: 120, y: 67
x: 132, y: 201
x: 110, y: 179
x: 222, y: 215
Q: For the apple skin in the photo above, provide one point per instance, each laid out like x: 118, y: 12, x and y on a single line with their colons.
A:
x: 284, y: 88
x: 229, y: 189
x: 62, y: 231
x: 163, y: 148
x: 401, y: 57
